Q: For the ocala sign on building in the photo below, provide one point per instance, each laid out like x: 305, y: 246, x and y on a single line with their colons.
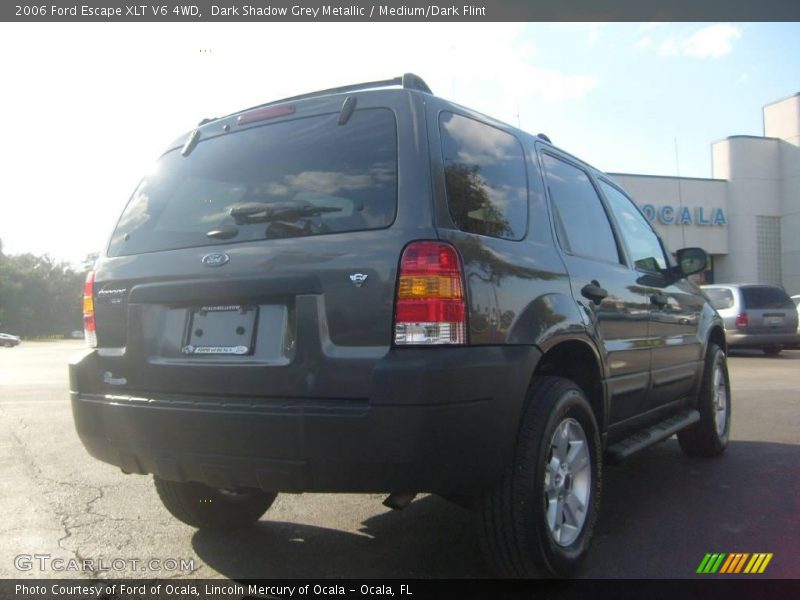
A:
x: 685, y: 215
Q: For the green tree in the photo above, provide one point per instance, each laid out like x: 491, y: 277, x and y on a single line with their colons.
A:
x: 39, y: 296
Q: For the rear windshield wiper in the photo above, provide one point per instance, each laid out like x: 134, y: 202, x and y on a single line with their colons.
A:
x: 261, y: 212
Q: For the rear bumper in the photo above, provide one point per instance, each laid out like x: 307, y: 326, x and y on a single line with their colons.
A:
x: 738, y: 339
x: 437, y: 419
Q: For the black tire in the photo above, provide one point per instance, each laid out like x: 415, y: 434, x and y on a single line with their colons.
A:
x: 707, y: 438
x: 204, y: 507
x: 517, y: 538
x: 772, y: 350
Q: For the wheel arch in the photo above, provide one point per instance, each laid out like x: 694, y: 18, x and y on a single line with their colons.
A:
x: 578, y: 360
x: 716, y: 335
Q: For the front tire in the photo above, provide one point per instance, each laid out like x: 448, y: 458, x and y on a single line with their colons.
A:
x: 771, y: 350
x: 204, y: 507
x: 539, y: 519
x: 709, y: 436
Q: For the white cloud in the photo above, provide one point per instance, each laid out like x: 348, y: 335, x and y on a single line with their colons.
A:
x: 712, y: 41
x: 643, y: 43
x: 108, y: 99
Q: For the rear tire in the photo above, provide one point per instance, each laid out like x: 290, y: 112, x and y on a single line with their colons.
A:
x: 204, y: 507
x: 539, y: 519
x: 709, y: 436
x: 772, y: 350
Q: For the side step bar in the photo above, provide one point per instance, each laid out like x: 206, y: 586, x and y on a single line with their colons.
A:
x: 652, y: 435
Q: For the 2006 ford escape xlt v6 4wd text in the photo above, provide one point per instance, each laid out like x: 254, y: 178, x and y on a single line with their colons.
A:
x: 372, y: 289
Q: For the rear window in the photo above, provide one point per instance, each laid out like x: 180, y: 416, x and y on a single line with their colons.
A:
x: 766, y: 297
x: 720, y: 298
x: 295, y: 178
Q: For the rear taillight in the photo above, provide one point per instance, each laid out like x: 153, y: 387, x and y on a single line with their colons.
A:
x: 89, y: 331
x: 742, y: 320
x: 430, y: 308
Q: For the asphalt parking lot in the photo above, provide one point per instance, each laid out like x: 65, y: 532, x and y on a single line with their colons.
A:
x: 661, y: 511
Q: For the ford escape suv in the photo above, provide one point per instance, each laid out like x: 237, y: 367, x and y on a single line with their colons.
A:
x: 372, y: 289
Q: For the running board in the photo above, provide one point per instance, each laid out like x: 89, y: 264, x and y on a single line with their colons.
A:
x: 652, y: 435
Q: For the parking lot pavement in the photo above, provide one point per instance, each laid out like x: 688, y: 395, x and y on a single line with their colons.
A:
x: 661, y: 511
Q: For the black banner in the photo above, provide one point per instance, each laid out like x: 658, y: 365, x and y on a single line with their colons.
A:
x: 409, y: 10
x: 216, y: 589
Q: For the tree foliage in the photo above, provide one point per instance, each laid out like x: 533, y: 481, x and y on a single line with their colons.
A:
x: 39, y: 296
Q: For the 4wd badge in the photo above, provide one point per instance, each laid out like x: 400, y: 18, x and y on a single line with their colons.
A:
x: 358, y: 279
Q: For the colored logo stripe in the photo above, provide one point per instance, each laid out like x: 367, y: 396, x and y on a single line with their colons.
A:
x: 758, y: 563
x: 734, y: 563
x: 720, y: 562
x: 711, y: 563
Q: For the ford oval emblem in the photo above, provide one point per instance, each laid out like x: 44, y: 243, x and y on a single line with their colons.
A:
x: 215, y: 259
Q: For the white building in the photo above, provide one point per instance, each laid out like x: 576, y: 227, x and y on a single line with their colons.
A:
x: 748, y: 215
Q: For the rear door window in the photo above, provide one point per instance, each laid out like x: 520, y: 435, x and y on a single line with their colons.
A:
x: 295, y: 178
x: 485, y: 177
x: 757, y: 297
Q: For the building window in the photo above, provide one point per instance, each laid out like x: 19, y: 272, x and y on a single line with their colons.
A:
x: 768, y: 247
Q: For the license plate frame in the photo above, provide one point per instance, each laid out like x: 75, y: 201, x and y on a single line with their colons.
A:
x: 774, y: 320
x: 221, y: 330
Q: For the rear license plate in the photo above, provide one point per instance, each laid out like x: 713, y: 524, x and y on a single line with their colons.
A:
x: 775, y: 320
x: 228, y: 329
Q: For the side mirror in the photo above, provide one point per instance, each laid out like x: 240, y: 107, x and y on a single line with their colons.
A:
x: 691, y: 260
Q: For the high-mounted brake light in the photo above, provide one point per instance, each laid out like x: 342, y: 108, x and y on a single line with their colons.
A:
x: 262, y: 114
x: 742, y: 320
x: 430, y: 306
x: 89, y: 330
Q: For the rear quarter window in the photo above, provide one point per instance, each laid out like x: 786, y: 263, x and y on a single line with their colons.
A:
x: 485, y: 178
x: 720, y: 298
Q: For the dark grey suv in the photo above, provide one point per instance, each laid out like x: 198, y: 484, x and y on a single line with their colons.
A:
x: 372, y: 289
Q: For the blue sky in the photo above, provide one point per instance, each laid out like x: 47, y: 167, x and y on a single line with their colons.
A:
x: 89, y: 106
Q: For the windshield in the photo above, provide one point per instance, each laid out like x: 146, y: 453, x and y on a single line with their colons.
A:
x: 310, y: 176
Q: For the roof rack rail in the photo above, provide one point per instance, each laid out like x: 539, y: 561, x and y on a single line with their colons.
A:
x: 407, y: 81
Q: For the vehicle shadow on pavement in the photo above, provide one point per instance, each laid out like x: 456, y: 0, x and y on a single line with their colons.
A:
x: 786, y: 354
x: 661, y: 513
x: 429, y: 538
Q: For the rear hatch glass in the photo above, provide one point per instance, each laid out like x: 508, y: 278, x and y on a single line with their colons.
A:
x: 303, y: 177
x: 770, y: 309
x: 765, y: 297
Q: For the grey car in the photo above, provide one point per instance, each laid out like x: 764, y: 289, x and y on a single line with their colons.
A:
x: 755, y: 315
x: 373, y: 289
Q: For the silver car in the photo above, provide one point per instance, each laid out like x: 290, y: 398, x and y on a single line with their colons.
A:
x: 755, y: 315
